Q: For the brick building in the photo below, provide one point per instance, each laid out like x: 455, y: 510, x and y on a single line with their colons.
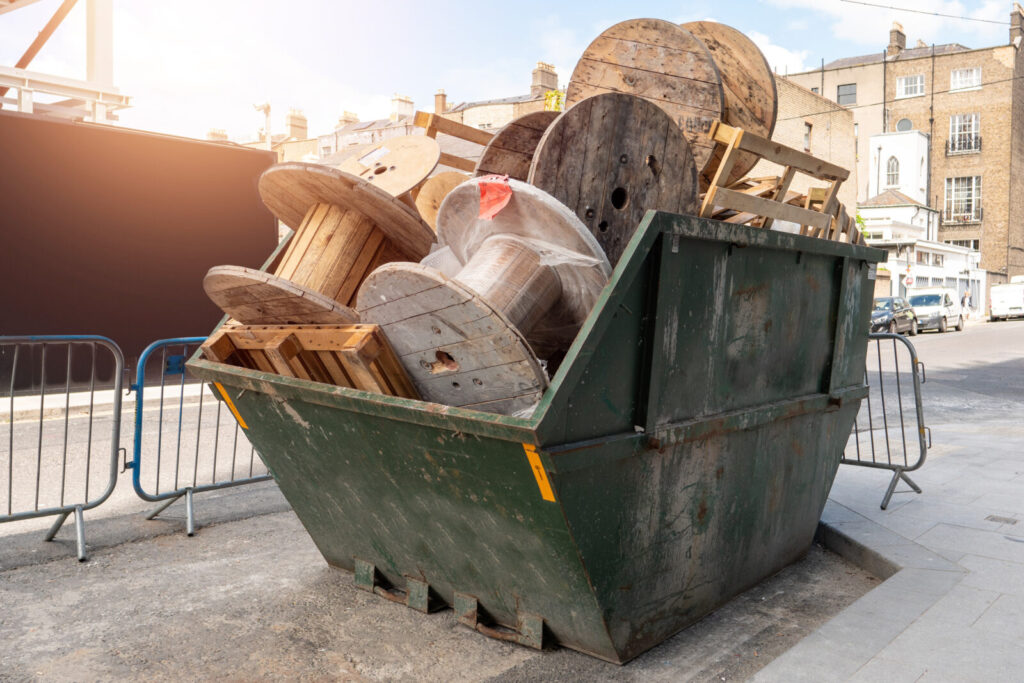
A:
x: 960, y: 98
x: 809, y: 122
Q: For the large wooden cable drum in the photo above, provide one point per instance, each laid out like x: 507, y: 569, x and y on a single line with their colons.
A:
x: 464, y: 340
x: 751, y: 99
x: 610, y: 158
x: 511, y: 149
x: 344, y: 229
x: 662, y: 63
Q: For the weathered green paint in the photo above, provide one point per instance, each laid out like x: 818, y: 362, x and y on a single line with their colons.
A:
x: 690, y: 437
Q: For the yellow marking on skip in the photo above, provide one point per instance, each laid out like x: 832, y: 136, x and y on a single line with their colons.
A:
x: 538, y: 472
x: 231, y: 405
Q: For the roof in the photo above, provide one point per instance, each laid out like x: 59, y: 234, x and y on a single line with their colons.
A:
x: 890, y: 198
x: 910, y: 53
x: 503, y: 100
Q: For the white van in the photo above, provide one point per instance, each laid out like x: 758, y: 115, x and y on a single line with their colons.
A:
x: 1007, y: 301
x: 937, y: 308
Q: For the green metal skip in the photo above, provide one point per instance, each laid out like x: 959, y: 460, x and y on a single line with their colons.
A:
x: 682, y: 453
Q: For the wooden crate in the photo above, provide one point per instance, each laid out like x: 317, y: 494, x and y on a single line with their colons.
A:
x: 435, y: 123
x: 760, y: 201
x: 356, y: 356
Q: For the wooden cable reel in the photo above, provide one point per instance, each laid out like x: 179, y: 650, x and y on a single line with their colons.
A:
x: 463, y: 340
x: 398, y: 165
x: 511, y: 149
x: 751, y: 99
x: 662, y: 63
x: 610, y: 158
x: 433, y: 191
x: 344, y: 228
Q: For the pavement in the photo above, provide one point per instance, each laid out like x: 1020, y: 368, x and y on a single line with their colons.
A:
x: 931, y: 588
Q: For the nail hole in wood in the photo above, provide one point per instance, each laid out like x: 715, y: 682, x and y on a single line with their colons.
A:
x: 603, y: 226
x: 653, y: 164
x: 444, y: 363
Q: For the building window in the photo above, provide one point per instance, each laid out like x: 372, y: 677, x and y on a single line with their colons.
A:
x: 963, y: 200
x: 910, y: 86
x: 815, y: 91
x: 807, y: 136
x: 892, y: 172
x: 970, y: 244
x: 847, y: 94
x: 965, y: 79
x: 924, y: 258
x: 964, y: 134
x: 937, y: 260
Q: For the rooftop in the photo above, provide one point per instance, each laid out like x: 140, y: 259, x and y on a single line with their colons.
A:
x: 890, y: 198
x: 909, y: 53
x: 503, y: 100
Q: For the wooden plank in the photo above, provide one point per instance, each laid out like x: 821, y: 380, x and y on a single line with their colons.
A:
x: 728, y: 158
x: 435, y: 123
x: 787, y: 156
x: 780, y: 191
x: 457, y: 162
x: 766, y: 207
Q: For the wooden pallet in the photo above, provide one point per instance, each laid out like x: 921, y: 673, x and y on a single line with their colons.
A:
x: 435, y: 123
x: 356, y: 356
x: 760, y: 201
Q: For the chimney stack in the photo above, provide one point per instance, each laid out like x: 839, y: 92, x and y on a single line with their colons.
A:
x: 897, y: 40
x: 346, y: 118
x: 1016, y: 25
x: 544, y: 79
x: 401, y: 105
x: 295, y: 125
x: 217, y: 135
x: 440, y: 102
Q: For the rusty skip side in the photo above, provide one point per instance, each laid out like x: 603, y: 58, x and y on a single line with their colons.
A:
x: 683, y: 452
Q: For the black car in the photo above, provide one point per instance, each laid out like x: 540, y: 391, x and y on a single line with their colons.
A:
x: 893, y: 314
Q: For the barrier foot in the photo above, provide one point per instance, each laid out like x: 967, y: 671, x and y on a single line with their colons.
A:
x: 164, y: 506
x: 80, y: 533
x: 57, y: 524
x: 896, y: 476
x: 190, y: 514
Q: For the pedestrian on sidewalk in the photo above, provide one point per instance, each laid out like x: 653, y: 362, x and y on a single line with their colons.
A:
x: 965, y: 303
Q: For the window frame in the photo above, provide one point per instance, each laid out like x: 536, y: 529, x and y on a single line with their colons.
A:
x: 954, y: 86
x: 903, y: 81
x: 892, y: 172
x: 970, y: 195
x: 840, y: 95
x: 965, y: 139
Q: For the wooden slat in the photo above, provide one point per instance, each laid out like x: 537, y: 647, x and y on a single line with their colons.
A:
x: 356, y: 356
x: 766, y: 207
x: 779, y: 192
x: 780, y: 154
x: 457, y: 162
x: 435, y: 123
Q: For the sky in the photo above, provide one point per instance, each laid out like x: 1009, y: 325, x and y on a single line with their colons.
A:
x: 193, y: 65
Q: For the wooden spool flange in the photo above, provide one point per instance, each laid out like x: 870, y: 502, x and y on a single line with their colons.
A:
x: 612, y: 157
x: 463, y: 340
x: 397, y: 165
x: 433, y: 191
x: 661, y: 62
x: 751, y: 100
x: 511, y: 149
x: 344, y: 228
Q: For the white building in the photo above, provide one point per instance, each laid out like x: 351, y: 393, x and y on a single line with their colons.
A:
x: 899, y: 161
x: 906, y: 229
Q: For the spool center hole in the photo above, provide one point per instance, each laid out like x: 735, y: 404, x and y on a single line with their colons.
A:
x: 379, y: 170
x: 444, y: 363
x: 620, y: 197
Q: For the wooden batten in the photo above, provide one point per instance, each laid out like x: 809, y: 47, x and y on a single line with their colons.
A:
x: 356, y: 356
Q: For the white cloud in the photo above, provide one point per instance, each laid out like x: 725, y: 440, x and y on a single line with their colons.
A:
x: 782, y: 60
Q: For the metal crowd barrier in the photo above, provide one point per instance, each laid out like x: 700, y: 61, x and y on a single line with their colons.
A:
x: 47, y: 457
x: 188, y: 467
x: 883, y: 437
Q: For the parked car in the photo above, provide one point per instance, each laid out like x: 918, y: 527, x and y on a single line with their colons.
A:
x: 936, y: 308
x: 1007, y: 301
x: 893, y: 314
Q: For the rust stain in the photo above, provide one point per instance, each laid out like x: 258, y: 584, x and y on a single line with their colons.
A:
x: 749, y: 291
x: 719, y: 472
x: 702, y: 511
